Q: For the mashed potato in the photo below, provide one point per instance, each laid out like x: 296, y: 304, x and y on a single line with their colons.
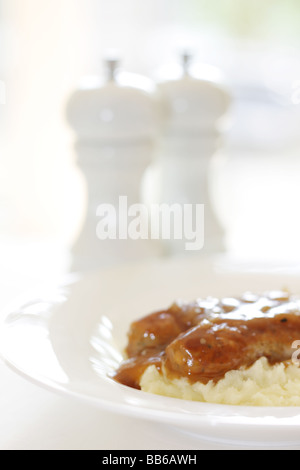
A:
x: 259, y: 385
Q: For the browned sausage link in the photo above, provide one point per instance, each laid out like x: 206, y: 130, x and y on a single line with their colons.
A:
x: 152, y: 333
x: 214, y: 347
x: 156, y: 331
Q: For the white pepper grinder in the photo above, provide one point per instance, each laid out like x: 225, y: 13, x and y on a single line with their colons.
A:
x: 196, y: 110
x: 115, y: 124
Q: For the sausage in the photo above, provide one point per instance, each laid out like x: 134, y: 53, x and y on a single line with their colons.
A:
x: 214, y: 347
x: 157, y: 330
x: 202, y: 340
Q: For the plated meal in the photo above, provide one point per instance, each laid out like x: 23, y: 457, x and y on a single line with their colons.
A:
x: 235, y: 351
x: 71, y: 339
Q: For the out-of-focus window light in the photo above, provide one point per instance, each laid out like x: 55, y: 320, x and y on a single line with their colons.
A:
x: 46, y: 46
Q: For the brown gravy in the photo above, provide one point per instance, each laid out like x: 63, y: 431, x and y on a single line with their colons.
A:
x: 201, y: 341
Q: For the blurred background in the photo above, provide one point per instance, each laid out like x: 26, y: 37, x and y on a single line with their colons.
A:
x: 47, y: 46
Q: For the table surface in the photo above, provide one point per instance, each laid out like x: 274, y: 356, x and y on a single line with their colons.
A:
x: 33, y: 418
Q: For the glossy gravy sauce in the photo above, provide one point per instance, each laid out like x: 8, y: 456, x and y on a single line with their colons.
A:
x: 203, y: 340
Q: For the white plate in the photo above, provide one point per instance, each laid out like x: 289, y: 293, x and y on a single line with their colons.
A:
x: 69, y: 339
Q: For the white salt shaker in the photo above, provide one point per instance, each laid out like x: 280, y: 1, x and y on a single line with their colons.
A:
x: 195, y: 109
x: 115, y: 124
